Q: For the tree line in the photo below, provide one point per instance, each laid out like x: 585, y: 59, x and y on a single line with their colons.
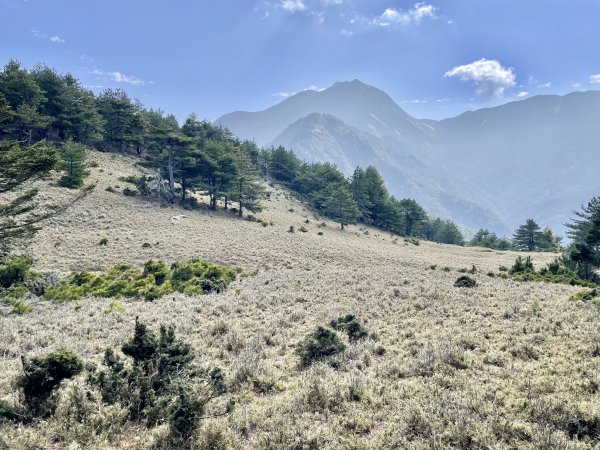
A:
x: 528, y: 237
x: 41, y: 105
x: 361, y: 198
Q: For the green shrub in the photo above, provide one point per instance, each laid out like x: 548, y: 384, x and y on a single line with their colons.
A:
x: 128, y: 192
x: 472, y: 270
x: 15, y: 270
x: 465, y: 281
x: 42, y: 375
x: 156, y: 280
x: 103, y: 241
x: 156, y: 387
x: 521, y: 266
x: 320, y: 344
x: 351, y: 326
x: 587, y: 295
x: 9, y: 413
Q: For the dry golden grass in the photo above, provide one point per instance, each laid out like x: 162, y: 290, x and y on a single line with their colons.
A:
x: 504, y: 365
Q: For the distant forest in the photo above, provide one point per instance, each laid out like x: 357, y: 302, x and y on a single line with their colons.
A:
x: 42, y: 106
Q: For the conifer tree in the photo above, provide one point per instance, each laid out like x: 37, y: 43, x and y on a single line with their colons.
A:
x: 341, y: 206
x: 18, y: 165
x: 72, y: 162
x: 528, y: 236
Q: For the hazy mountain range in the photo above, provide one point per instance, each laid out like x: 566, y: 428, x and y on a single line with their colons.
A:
x: 490, y: 168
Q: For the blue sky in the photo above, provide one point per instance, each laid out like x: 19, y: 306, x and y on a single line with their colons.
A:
x: 435, y: 58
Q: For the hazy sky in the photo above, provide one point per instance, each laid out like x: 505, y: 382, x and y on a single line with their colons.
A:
x: 436, y: 58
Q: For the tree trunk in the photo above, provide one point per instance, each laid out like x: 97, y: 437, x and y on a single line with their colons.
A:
x: 240, y: 213
x: 171, y: 174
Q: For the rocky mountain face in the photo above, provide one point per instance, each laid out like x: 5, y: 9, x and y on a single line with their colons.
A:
x: 490, y: 168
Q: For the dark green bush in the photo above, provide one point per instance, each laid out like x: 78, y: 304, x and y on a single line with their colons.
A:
x: 15, y: 270
x: 320, y: 344
x: 156, y: 387
x: 351, y: 326
x: 42, y: 375
x: 465, y: 281
x: 128, y: 192
x: 9, y: 413
x: 521, y: 266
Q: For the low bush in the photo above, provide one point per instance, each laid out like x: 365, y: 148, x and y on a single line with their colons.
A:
x: 161, y: 384
x: 151, y: 283
x: 351, y: 326
x: 16, y: 270
x: 321, y: 343
x: 465, y: 281
x: 42, y: 375
x: 555, y: 272
x: 522, y: 266
x: 128, y: 192
x: 14, y: 296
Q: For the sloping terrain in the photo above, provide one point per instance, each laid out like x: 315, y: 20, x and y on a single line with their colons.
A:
x: 502, y: 365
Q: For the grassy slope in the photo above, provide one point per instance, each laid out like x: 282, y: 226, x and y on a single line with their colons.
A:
x: 475, y: 368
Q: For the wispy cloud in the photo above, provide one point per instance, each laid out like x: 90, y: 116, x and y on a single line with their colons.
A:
x: 286, y: 94
x: 54, y: 39
x: 118, y: 77
x: 416, y: 14
x: 595, y: 79
x: 522, y: 94
x: 545, y: 85
x: 292, y: 5
x: 490, y: 77
x: 127, y: 79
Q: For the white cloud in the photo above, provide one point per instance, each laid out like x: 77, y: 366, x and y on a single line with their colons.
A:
x: 489, y: 76
x: 418, y: 12
x: 54, y: 39
x: 545, y: 85
x: 286, y: 94
x: 292, y: 5
x: 595, y: 79
x: 522, y: 94
x: 331, y: 2
x: 128, y: 79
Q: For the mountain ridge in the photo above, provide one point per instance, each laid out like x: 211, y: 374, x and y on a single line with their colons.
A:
x: 504, y: 162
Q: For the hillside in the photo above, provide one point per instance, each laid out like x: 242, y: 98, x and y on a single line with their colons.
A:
x: 503, y: 365
x: 489, y: 168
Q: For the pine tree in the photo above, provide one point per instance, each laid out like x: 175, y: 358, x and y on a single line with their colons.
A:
x: 412, y: 216
x: 72, y: 162
x: 358, y: 187
x: 341, y: 206
x: 18, y: 165
x: 528, y: 236
x: 585, y: 233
